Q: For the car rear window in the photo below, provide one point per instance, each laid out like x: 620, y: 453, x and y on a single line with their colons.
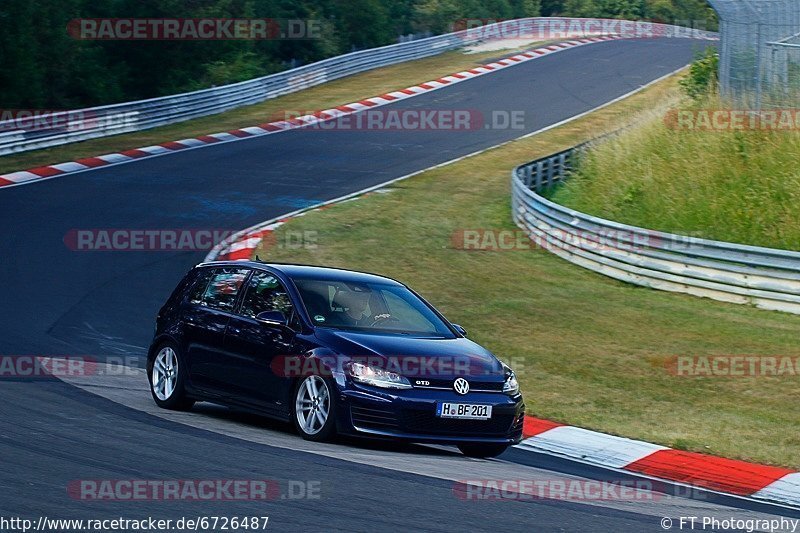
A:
x: 218, y: 288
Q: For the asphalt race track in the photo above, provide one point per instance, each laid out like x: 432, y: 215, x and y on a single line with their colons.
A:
x: 63, y: 302
x: 59, y: 302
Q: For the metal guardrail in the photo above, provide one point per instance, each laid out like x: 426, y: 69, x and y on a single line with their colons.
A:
x: 83, y: 124
x: 79, y: 125
x: 767, y: 278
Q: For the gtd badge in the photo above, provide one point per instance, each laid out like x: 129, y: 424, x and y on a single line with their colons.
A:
x: 461, y: 386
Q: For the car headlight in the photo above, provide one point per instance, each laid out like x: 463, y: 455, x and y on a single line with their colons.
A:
x: 510, y: 385
x: 377, y: 377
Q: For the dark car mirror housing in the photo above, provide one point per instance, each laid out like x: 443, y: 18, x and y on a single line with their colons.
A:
x: 461, y: 331
x: 273, y: 318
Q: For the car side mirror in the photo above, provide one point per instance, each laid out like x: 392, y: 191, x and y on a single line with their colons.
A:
x: 461, y: 331
x: 272, y: 318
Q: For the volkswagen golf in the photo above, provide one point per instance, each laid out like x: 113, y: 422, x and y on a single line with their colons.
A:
x: 334, y: 352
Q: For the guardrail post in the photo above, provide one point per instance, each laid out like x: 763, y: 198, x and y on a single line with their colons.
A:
x: 539, y: 172
x: 527, y: 176
x: 562, y: 169
x: 550, y: 171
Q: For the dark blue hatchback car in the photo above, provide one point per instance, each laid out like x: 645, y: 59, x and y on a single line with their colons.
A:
x: 334, y: 351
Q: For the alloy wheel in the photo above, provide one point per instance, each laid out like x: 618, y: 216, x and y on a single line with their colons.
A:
x: 312, y: 404
x: 165, y: 373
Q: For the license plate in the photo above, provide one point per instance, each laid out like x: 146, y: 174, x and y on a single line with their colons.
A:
x: 464, y: 410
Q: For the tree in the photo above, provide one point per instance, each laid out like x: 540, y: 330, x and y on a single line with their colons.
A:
x: 46, y: 68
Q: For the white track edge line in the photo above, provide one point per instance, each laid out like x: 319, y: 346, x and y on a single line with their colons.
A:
x: 237, y: 139
x: 214, y: 253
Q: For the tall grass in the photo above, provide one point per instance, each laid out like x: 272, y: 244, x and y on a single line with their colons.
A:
x: 737, y: 186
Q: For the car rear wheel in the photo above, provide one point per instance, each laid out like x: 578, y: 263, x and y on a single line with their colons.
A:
x: 482, y: 450
x: 314, y: 409
x: 166, y: 373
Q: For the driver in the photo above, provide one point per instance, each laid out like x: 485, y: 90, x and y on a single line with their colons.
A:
x: 355, y: 304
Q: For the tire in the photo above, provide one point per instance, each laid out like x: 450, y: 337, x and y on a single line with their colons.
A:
x: 482, y: 451
x: 314, y: 407
x: 170, y: 392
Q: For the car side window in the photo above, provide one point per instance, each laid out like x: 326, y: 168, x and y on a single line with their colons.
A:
x: 200, y: 285
x: 222, y: 289
x: 265, y: 292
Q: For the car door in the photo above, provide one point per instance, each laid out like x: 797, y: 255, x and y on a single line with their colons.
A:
x: 258, y: 346
x: 209, y: 309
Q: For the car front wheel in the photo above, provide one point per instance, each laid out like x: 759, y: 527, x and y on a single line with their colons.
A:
x: 314, y: 409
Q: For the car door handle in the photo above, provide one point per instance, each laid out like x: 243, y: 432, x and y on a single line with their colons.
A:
x: 235, y: 330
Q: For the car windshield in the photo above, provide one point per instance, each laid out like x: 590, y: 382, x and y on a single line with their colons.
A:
x: 369, y: 307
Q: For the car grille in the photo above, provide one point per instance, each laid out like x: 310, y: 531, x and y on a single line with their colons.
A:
x: 474, y: 386
x: 426, y: 422
x: 369, y: 417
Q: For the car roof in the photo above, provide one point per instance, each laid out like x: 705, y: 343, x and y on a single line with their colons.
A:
x: 300, y: 272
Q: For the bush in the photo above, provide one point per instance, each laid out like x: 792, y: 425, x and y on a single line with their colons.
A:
x: 703, y: 77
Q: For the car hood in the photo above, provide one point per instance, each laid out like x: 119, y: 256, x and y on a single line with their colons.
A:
x: 417, y: 357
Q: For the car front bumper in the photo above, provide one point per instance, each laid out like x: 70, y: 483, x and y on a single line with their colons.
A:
x: 410, y: 414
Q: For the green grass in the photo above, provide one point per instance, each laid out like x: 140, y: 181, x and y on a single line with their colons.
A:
x: 590, y: 351
x: 327, y: 95
x: 740, y: 187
